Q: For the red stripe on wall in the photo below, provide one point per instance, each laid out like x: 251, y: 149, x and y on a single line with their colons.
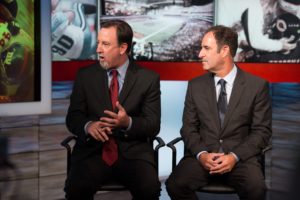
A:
x: 65, y: 71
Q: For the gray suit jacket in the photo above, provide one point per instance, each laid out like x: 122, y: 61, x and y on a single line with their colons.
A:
x: 247, y: 124
x: 140, y: 96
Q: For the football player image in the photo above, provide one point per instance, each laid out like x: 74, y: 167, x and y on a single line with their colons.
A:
x: 16, y: 57
x: 73, y: 33
x: 268, y: 30
x: 282, y: 20
x: 287, y: 21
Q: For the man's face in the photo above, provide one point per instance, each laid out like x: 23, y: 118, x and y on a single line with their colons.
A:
x: 108, y: 48
x: 210, y: 57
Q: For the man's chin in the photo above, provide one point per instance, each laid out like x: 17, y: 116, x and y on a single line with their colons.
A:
x: 104, y: 65
x: 205, y: 66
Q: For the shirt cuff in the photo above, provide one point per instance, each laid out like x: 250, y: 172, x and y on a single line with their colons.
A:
x: 130, y: 124
x: 201, y: 152
x: 235, y: 156
x: 85, y: 127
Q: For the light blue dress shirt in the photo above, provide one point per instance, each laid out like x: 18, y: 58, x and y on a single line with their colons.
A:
x: 121, y: 75
x: 229, y: 78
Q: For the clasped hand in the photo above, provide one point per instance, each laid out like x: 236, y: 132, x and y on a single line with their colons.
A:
x: 100, y: 130
x: 217, y: 163
x: 287, y: 46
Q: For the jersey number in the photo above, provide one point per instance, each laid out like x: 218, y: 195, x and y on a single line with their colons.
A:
x: 64, y: 43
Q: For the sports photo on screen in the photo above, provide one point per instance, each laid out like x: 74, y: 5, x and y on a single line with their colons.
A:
x: 19, y: 45
x: 73, y: 29
x: 274, y: 33
x: 165, y: 30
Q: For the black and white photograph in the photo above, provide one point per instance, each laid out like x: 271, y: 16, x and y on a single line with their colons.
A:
x: 269, y: 30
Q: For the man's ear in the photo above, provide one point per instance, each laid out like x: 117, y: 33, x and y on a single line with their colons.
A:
x: 225, y: 51
x: 123, y: 48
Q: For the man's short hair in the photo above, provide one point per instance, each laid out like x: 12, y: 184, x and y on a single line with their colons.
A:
x: 225, y: 36
x: 124, y: 31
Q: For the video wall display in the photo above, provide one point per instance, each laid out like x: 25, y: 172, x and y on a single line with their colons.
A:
x: 268, y: 30
x: 171, y: 30
x: 163, y: 30
x: 73, y: 29
x: 19, y: 51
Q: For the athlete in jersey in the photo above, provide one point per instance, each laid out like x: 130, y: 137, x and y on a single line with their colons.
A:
x: 16, y: 61
x: 71, y: 37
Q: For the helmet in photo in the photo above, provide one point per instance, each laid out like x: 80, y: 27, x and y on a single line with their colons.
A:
x: 290, y: 6
x: 286, y: 25
x: 11, y: 6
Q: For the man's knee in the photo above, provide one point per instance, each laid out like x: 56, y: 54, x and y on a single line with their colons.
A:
x: 175, y: 185
x: 171, y: 185
x: 254, y: 189
x: 76, y: 190
x: 152, y: 190
x: 147, y: 190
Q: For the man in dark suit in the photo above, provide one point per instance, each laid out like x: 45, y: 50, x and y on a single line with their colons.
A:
x: 113, y: 131
x: 223, y: 139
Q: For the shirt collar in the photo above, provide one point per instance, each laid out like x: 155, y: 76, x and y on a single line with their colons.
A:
x: 229, y: 78
x: 121, y: 70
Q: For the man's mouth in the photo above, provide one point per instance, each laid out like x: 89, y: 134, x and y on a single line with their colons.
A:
x: 101, y: 57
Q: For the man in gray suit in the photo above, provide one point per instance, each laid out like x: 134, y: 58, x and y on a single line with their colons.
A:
x: 114, y: 111
x: 226, y: 123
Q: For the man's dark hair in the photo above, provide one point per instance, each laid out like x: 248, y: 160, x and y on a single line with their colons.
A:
x: 124, y: 32
x: 225, y: 36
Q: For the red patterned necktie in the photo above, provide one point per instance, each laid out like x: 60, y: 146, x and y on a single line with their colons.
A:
x: 110, y: 147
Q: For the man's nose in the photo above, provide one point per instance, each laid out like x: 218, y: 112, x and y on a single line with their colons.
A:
x: 200, y: 55
x: 99, y: 48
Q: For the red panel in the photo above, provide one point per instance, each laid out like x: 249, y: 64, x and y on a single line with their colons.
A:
x: 63, y: 71
x: 66, y: 70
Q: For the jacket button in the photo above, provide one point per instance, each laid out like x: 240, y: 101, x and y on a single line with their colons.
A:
x: 126, y: 135
x: 221, y: 141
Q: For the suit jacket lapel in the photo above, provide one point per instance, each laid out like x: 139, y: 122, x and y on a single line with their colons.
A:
x: 129, y: 82
x: 101, y: 87
x: 212, y: 99
x: 237, y: 90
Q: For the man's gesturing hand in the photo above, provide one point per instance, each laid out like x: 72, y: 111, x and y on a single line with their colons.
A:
x: 116, y: 120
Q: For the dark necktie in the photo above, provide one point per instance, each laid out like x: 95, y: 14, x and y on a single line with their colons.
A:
x: 222, y: 101
x: 110, y: 147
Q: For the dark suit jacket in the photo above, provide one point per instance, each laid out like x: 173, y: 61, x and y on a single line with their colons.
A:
x: 247, y: 124
x: 140, y: 96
